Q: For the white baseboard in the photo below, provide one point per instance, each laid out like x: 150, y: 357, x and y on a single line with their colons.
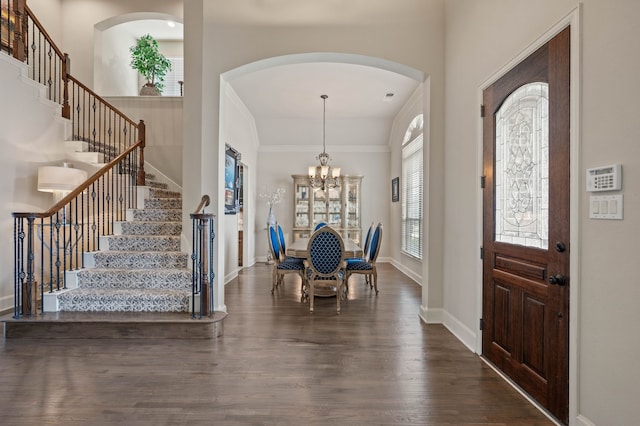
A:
x: 461, y: 331
x: 230, y: 276
x: 457, y: 328
x: 583, y: 421
x: 409, y: 273
x: 430, y: 316
x: 6, y: 303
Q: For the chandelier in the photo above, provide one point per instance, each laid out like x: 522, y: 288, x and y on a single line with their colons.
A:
x: 324, y: 176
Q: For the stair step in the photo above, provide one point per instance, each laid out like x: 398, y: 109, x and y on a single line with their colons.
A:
x: 163, y: 203
x: 125, y: 300
x: 104, y: 278
x: 76, y: 146
x: 163, y: 193
x: 157, y: 215
x: 156, y: 185
x: 150, y: 228
x: 115, y: 325
x: 138, y: 260
x: 141, y: 243
x: 88, y: 157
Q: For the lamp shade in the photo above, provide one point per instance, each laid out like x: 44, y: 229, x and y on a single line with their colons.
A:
x: 64, y: 179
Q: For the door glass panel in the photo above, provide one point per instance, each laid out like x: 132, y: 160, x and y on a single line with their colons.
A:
x: 522, y: 167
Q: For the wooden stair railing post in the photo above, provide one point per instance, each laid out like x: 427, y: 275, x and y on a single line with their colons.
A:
x: 66, y: 68
x: 28, y: 286
x: 143, y: 138
x: 202, y: 264
x: 19, y: 32
x: 205, y: 294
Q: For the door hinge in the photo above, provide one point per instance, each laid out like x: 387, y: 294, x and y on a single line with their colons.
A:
x: 481, y: 324
x: 483, y: 181
x: 481, y: 253
x: 481, y: 110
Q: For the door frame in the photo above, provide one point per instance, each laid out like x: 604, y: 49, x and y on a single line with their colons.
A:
x: 573, y: 18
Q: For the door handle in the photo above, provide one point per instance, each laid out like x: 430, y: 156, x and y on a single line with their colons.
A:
x: 557, y: 280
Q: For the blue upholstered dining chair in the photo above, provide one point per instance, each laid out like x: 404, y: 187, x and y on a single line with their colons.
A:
x: 320, y: 225
x: 368, y: 267
x: 283, y: 246
x: 365, y: 254
x: 365, y: 250
x: 283, y: 265
x: 325, y: 263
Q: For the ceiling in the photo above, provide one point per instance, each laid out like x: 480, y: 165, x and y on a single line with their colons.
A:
x: 355, y: 92
x: 288, y: 93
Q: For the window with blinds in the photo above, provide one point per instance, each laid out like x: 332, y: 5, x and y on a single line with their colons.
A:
x: 171, y: 85
x: 412, y: 190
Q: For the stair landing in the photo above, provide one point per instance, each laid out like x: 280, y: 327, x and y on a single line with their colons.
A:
x: 114, y: 325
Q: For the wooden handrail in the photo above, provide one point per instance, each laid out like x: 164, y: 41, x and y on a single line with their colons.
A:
x: 204, y: 202
x: 73, y: 194
x: 101, y: 99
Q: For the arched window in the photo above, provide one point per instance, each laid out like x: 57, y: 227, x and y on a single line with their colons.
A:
x: 412, y: 188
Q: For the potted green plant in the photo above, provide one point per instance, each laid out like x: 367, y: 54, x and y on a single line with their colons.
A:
x: 150, y: 63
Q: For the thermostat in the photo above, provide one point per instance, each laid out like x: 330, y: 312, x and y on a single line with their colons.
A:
x: 608, y: 178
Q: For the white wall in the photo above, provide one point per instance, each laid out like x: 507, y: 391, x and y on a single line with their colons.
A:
x: 481, y: 38
x: 163, y: 117
x: 239, y: 131
x: 113, y: 74
x: 49, y: 13
x: 31, y: 137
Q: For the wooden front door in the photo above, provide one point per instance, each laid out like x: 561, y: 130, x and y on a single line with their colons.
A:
x: 526, y: 224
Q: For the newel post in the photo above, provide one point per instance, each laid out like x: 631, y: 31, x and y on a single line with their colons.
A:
x: 19, y: 32
x: 142, y: 136
x: 66, y: 68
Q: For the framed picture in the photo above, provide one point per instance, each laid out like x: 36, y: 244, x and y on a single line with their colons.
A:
x: 395, y: 189
x: 231, y: 204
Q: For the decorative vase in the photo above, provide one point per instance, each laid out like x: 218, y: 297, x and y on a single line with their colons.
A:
x: 271, y: 219
x: 149, y: 90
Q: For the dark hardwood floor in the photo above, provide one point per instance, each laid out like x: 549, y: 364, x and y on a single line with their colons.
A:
x: 276, y: 364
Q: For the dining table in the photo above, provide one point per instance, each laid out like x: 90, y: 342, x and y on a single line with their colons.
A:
x: 299, y: 249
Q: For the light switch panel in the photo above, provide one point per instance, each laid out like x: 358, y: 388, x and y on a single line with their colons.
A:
x: 606, y: 207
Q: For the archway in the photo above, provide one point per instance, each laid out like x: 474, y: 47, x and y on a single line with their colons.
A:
x: 112, y: 74
x: 377, y: 182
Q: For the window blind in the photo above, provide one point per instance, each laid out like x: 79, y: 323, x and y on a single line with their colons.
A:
x: 412, y: 195
x: 171, y: 85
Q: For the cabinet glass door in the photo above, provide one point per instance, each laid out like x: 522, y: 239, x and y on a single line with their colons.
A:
x: 352, y: 210
x: 302, y: 205
x: 319, y: 207
x: 334, y: 208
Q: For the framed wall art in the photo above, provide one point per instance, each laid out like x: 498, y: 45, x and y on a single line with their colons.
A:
x: 231, y: 192
x: 395, y: 189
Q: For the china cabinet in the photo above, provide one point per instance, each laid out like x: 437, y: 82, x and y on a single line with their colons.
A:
x: 339, y: 207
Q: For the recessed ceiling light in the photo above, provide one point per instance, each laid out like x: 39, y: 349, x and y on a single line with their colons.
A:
x: 171, y: 24
x: 388, y: 97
